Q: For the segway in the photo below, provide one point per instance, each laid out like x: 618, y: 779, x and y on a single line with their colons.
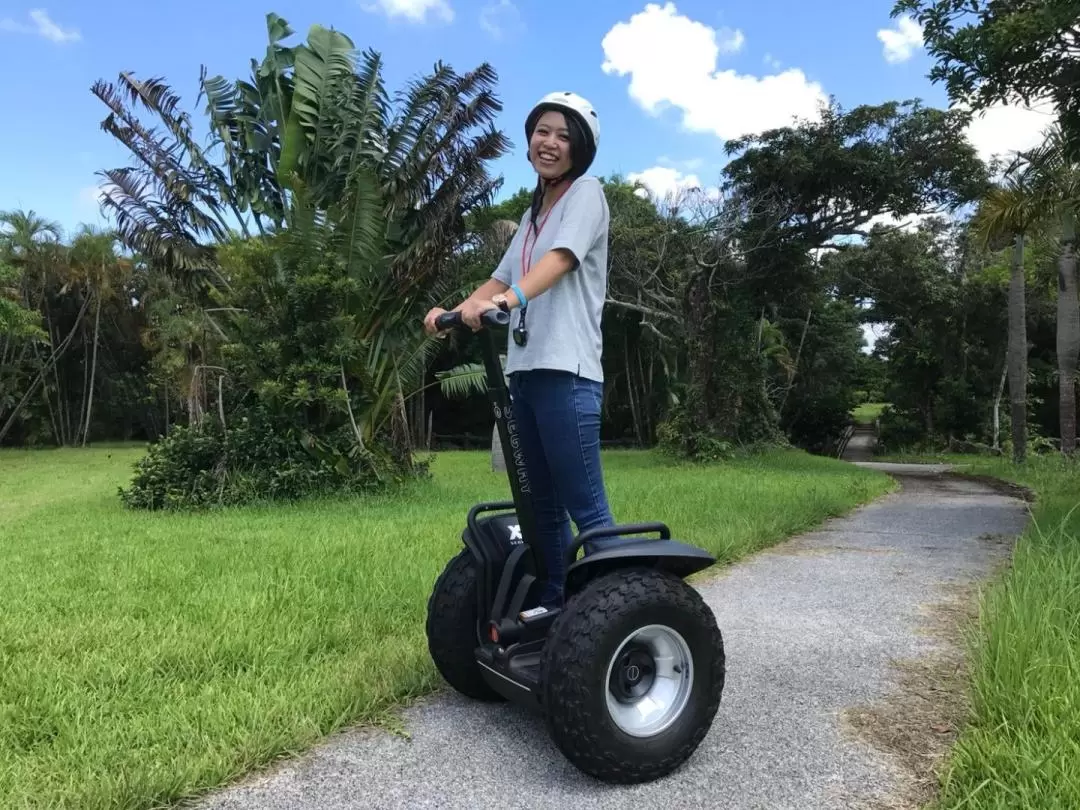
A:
x: 628, y: 672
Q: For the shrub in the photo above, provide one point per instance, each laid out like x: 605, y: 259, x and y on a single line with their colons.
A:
x: 254, y: 460
x: 902, y: 430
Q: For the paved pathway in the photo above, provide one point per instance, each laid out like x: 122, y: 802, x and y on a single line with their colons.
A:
x: 861, y: 445
x: 810, y: 627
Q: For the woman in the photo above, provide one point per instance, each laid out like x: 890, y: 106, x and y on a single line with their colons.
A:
x: 555, y: 273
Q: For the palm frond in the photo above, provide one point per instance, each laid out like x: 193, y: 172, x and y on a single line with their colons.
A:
x: 324, y: 67
x: 462, y: 381
x: 1056, y: 172
x: 364, y: 194
x: 145, y: 224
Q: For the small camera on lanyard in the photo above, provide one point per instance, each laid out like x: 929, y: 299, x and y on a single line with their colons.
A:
x: 519, y: 333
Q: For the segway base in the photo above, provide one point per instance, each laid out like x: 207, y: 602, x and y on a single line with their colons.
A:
x: 628, y: 673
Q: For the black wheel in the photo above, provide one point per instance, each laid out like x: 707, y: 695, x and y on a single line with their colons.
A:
x: 452, y: 628
x: 633, y: 673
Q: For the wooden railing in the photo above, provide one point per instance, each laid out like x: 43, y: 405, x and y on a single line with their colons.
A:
x: 845, y: 437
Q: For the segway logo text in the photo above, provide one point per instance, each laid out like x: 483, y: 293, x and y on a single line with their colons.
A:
x: 515, y: 445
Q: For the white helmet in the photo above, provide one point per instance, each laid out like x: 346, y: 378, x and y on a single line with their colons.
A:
x: 579, y: 107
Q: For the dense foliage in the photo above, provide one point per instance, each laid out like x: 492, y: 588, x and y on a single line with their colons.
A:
x: 988, y: 52
x: 310, y: 325
x: 271, y: 284
x: 254, y: 315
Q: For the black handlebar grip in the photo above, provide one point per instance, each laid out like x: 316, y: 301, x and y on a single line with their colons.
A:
x: 490, y: 317
x: 448, y: 320
x: 495, y: 317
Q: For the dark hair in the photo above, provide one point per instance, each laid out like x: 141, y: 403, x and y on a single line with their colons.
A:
x: 581, y: 152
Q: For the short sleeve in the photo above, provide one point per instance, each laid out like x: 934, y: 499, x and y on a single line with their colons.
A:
x: 503, y: 272
x: 583, y: 220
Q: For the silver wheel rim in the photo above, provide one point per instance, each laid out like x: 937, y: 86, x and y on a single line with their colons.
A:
x: 648, y: 680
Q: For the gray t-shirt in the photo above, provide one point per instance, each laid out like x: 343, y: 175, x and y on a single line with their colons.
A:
x: 563, y: 323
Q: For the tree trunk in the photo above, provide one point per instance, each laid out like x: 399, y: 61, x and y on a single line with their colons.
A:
x: 93, y: 370
x: 700, y: 361
x: 1068, y: 337
x: 798, y: 358
x: 647, y: 387
x: 1018, y: 353
x: 49, y: 364
x: 996, y: 441
x: 84, y: 397
x: 635, y: 402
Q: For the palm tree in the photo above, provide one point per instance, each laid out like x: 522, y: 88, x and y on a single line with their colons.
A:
x: 1057, y: 182
x: 1008, y: 212
x: 347, y: 183
x: 33, y: 247
x: 99, y: 268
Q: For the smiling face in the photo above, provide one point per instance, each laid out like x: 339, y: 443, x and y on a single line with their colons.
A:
x: 549, y: 147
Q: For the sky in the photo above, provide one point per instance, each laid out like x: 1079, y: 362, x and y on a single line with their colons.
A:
x: 671, y: 81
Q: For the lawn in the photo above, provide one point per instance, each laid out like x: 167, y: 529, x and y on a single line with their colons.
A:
x: 1021, y: 749
x: 867, y: 412
x: 147, y: 657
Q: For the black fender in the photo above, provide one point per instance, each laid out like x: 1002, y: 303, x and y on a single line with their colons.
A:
x: 673, y: 556
x: 490, y: 545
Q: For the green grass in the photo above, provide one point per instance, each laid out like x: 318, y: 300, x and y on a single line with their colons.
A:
x: 146, y: 657
x: 867, y: 412
x: 1021, y: 749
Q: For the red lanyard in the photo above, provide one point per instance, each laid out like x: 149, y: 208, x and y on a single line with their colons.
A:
x: 525, y: 268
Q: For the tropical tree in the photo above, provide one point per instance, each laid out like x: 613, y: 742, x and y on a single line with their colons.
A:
x: 1057, y: 184
x: 98, y: 267
x: 993, y: 51
x: 31, y: 244
x: 357, y: 199
x: 1009, y: 212
x: 1002, y: 51
x: 788, y: 192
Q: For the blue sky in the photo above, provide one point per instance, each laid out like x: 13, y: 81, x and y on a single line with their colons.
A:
x: 671, y: 81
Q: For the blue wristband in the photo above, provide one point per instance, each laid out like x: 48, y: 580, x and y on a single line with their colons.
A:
x: 522, y: 300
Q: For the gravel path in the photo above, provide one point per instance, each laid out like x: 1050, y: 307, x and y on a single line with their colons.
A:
x: 810, y: 628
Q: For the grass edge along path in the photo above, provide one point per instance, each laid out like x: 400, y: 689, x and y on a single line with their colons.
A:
x: 148, y: 658
x: 1020, y: 745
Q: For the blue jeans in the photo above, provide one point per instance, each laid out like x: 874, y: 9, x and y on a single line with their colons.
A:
x: 558, y: 422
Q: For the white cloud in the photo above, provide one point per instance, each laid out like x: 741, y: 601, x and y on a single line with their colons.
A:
x: 1002, y: 129
x: 500, y: 18
x: 730, y: 41
x: 898, y: 44
x: 412, y: 10
x: 661, y: 181
x: 888, y: 219
x: 686, y: 164
x: 665, y: 185
x: 91, y: 195
x: 671, y: 61
x: 89, y: 201
x: 42, y: 26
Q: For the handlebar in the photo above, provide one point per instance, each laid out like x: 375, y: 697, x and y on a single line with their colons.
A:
x: 490, y: 317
